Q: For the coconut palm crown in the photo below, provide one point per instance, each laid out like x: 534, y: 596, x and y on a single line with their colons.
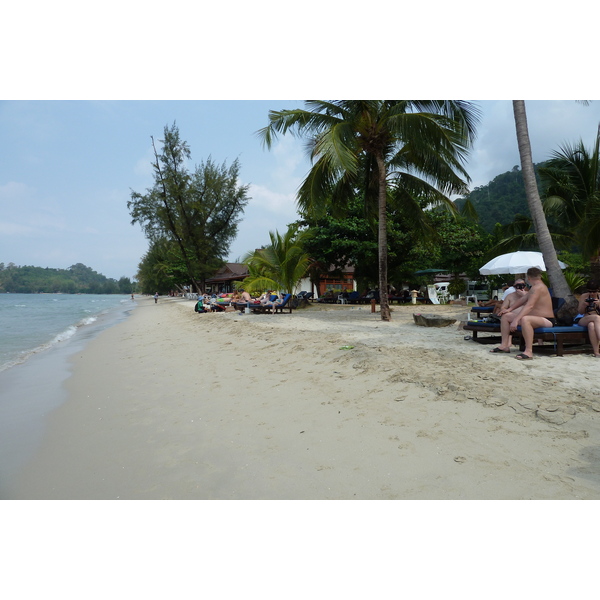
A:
x: 405, y: 149
x: 572, y: 176
x: 280, y: 265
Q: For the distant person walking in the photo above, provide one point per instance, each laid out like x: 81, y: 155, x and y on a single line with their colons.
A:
x: 156, y: 298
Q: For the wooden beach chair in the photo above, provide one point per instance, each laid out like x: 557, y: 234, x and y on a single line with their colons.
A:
x: 481, y: 326
x: 285, y: 305
x: 268, y: 309
x: 572, y: 339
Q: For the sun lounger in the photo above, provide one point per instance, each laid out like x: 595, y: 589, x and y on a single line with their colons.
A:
x: 481, y: 326
x: 478, y: 310
x: 574, y: 335
x: 564, y: 339
x: 258, y: 308
x: 285, y: 305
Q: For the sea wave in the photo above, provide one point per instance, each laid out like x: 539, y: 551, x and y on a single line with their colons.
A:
x: 32, y: 323
x: 63, y: 336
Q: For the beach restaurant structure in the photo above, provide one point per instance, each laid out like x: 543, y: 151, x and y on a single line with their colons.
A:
x: 223, y: 281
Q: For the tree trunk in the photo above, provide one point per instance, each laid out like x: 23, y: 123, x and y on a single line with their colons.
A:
x: 560, y: 288
x: 382, y: 241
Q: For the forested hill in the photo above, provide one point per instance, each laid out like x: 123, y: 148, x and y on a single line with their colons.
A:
x: 501, y: 199
x: 77, y: 279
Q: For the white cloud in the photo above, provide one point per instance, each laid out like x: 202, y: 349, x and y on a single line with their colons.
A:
x: 290, y: 154
x: 266, y: 199
x: 26, y: 213
x: 550, y: 124
x: 14, y: 191
x: 143, y: 166
x: 16, y: 229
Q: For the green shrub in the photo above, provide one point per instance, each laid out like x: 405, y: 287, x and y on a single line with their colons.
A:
x: 457, y: 286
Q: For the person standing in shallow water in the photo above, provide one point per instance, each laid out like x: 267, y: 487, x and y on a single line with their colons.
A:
x: 156, y: 298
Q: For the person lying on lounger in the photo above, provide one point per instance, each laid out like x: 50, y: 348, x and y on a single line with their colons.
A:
x: 272, y: 304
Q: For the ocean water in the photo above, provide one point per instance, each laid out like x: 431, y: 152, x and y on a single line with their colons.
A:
x: 33, y: 323
x: 38, y: 335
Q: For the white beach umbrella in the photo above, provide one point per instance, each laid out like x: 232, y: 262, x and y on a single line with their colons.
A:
x: 515, y: 262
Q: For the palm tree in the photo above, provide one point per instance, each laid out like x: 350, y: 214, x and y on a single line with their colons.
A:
x: 280, y: 265
x: 572, y: 176
x: 555, y: 274
x: 415, y: 148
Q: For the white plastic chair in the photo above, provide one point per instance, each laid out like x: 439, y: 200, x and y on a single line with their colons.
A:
x: 432, y: 293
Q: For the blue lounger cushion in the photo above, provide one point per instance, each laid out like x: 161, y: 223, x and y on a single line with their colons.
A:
x: 559, y: 329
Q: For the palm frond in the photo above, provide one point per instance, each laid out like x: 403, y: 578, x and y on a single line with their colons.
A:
x: 469, y: 211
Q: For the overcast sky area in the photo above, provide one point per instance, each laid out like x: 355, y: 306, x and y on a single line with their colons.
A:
x: 75, y: 135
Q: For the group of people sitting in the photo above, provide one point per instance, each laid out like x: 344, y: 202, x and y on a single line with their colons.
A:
x: 270, y: 299
x: 208, y: 303
x: 214, y: 303
x: 530, y: 306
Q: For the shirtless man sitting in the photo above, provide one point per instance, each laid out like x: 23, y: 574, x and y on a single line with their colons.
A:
x: 530, y: 311
x: 245, y: 297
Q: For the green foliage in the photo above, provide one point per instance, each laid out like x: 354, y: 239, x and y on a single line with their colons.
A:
x: 77, y: 279
x: 458, y: 246
x: 570, y: 184
x: 198, y: 211
x: 162, y: 268
x: 574, y: 280
x: 500, y: 200
x: 575, y: 262
x: 338, y: 241
x: 280, y: 265
x: 457, y: 286
x: 411, y: 148
x: 571, y: 181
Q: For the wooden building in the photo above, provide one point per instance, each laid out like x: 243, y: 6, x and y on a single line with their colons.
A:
x: 223, y: 280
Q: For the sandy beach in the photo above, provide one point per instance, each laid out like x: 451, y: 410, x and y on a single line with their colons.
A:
x: 170, y: 404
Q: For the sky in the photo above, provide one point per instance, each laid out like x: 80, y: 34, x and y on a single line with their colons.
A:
x: 67, y: 168
x: 80, y: 98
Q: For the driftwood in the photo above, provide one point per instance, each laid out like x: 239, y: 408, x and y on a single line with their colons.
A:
x: 433, y: 320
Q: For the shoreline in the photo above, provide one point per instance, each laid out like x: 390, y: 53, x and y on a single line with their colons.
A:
x: 31, y: 389
x: 169, y: 404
